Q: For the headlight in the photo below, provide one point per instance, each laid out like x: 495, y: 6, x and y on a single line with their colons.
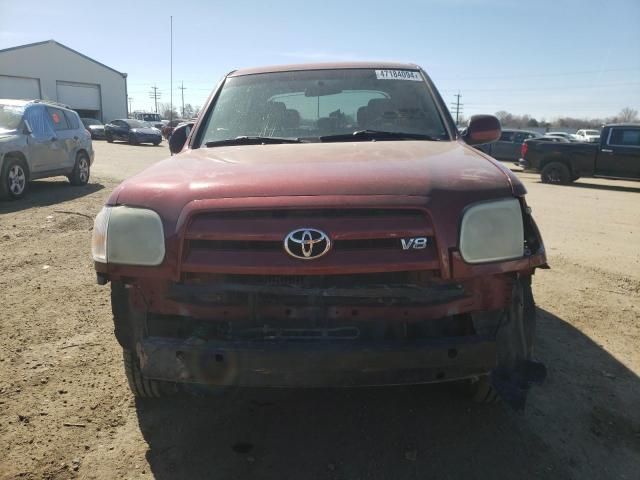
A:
x: 492, y: 231
x: 126, y: 235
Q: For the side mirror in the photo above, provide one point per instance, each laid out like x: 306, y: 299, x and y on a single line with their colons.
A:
x: 482, y: 129
x: 179, y: 138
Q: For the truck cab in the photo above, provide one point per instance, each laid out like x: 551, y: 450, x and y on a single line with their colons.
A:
x: 617, y: 155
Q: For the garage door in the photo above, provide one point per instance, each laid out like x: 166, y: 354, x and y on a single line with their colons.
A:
x: 79, y: 96
x: 19, y: 87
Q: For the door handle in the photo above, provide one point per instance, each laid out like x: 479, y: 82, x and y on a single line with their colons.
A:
x: 606, y: 150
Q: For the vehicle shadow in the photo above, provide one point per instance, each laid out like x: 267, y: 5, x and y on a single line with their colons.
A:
x: 601, y: 186
x: 613, y: 188
x: 117, y: 142
x: 406, y: 432
x: 42, y: 193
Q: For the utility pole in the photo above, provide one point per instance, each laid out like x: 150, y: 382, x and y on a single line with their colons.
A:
x: 130, y: 104
x: 171, y: 68
x: 457, y: 107
x: 183, y: 88
x: 155, y: 95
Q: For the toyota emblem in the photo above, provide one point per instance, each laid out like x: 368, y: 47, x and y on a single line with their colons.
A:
x: 307, y: 243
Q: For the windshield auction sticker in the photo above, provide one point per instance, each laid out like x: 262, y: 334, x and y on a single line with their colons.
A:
x: 398, y: 75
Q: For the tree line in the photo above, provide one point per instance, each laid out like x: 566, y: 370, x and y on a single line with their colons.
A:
x: 510, y: 120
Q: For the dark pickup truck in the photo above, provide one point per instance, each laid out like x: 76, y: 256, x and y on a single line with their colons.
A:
x: 617, y: 156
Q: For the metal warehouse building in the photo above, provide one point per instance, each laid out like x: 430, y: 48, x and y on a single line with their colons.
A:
x: 52, y: 71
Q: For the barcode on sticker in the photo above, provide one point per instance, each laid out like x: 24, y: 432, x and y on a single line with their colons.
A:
x: 398, y: 75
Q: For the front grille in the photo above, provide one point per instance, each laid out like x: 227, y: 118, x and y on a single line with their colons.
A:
x: 252, y: 241
x: 255, y: 245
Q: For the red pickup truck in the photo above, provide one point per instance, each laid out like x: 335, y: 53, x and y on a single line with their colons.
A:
x: 324, y: 224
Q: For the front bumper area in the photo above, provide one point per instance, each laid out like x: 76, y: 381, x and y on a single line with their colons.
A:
x: 316, y: 364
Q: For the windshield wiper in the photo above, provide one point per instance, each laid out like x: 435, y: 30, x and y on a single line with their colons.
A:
x: 377, y: 135
x: 252, y: 140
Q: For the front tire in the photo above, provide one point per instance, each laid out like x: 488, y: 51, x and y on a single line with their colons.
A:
x: 109, y: 138
x: 140, y: 386
x: 515, y: 339
x: 132, y: 140
x: 14, y: 180
x: 557, y: 173
x: 128, y: 331
x: 81, y: 170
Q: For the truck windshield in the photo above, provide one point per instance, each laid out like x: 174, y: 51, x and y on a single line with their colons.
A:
x: 314, y: 104
x: 10, y: 116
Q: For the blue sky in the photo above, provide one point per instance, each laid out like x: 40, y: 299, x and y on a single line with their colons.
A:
x: 546, y: 58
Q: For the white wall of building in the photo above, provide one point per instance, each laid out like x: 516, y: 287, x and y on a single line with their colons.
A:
x: 58, y: 70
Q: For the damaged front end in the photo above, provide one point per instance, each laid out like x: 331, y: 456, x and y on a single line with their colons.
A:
x: 238, y: 311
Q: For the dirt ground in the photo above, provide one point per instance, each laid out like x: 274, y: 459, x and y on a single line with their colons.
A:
x: 66, y: 412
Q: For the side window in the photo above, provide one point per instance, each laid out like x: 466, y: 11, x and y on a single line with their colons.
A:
x: 39, y: 121
x: 519, y: 137
x: 628, y: 137
x: 72, y: 120
x: 58, y: 119
x: 506, y: 137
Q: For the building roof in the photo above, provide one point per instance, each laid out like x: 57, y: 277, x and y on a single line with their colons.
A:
x: 324, y: 66
x: 65, y: 47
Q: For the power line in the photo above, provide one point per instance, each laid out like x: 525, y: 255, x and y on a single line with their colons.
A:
x: 573, y: 87
x: 528, y: 75
x: 155, y: 94
x: 183, y: 88
x: 457, y: 106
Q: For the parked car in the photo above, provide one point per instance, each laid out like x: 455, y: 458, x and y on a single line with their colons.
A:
x: 152, y: 118
x: 41, y: 139
x: 589, y: 136
x: 617, y: 155
x: 508, y: 146
x: 569, y: 136
x: 300, y: 240
x: 132, y: 131
x: 94, y: 127
x: 551, y: 139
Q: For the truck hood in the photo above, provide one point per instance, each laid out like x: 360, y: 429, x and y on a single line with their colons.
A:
x: 397, y: 168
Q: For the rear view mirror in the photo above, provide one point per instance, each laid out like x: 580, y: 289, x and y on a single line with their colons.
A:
x: 321, y: 89
x: 482, y: 129
x: 179, y: 137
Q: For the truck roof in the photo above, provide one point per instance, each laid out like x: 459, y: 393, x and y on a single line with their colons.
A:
x: 324, y: 66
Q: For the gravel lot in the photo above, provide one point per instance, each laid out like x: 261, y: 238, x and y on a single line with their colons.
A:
x: 66, y: 412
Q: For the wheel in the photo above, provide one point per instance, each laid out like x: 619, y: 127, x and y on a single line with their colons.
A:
x: 132, y: 140
x: 80, y: 174
x: 515, y: 340
x: 109, y: 138
x: 556, y: 172
x: 140, y: 386
x: 14, y: 180
x: 480, y: 390
x: 575, y: 177
x: 156, y: 143
x: 127, y: 323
